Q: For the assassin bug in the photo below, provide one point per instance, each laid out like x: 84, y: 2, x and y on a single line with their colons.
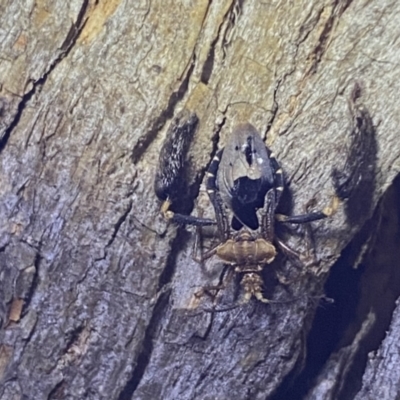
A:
x: 245, y: 179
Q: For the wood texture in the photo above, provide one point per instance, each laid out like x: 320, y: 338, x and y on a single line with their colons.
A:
x: 97, y: 291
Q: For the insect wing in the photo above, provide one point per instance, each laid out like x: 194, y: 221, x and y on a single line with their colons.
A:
x: 245, y: 174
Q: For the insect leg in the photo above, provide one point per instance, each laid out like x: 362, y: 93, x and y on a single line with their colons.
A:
x: 226, y: 276
x: 310, y: 217
x: 278, y: 176
x: 267, y: 216
x: 182, y: 219
x: 195, y: 251
x: 292, y: 254
x: 302, y: 218
x: 215, y: 198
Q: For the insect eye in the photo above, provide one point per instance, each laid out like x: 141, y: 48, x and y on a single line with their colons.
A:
x: 236, y: 148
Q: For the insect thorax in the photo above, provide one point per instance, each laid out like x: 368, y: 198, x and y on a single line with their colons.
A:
x: 244, y: 250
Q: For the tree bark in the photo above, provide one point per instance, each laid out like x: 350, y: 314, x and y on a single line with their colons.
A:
x: 99, y: 295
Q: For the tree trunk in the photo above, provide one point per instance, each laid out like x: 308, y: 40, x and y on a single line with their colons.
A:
x: 100, y: 295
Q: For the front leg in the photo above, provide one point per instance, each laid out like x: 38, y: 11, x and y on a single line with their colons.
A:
x: 302, y: 218
x: 215, y: 197
x: 208, y: 290
x: 182, y: 219
x: 267, y: 216
x: 310, y: 217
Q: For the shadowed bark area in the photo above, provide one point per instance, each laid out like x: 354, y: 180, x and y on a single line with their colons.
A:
x: 98, y: 293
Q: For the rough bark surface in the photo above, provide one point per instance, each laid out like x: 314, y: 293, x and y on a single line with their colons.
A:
x: 97, y: 291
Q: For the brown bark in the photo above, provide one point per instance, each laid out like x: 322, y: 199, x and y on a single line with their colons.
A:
x: 97, y: 291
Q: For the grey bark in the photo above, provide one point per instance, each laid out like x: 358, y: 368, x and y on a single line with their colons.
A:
x: 98, y: 293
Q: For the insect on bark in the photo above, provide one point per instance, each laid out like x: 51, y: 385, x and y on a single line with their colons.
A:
x: 244, y: 183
